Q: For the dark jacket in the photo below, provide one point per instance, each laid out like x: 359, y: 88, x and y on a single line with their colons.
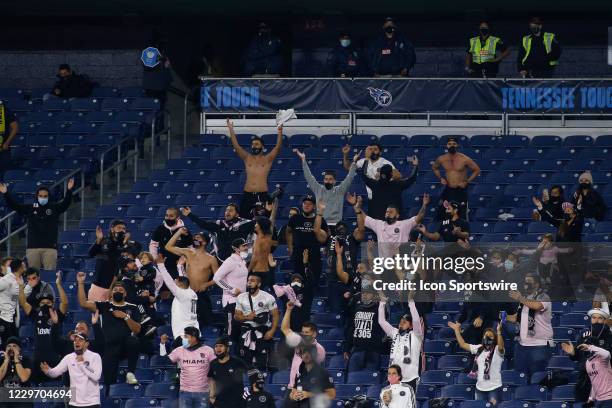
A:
x: 362, y: 331
x: 73, y: 86
x: 157, y: 78
x: 345, y: 61
x: 385, y: 193
x: 593, y: 205
x: 390, y: 56
x: 565, y: 232
x: 263, y: 56
x: 225, y: 233
x: 538, y: 59
x: 43, y: 221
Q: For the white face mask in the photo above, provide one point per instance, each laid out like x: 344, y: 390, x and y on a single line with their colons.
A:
x: 345, y: 42
x: 244, y: 254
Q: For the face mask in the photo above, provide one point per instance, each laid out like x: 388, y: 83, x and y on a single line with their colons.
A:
x: 567, y: 216
x: 402, y: 331
x: 390, y: 220
x: 329, y: 186
x: 528, y: 286
x: 197, y: 244
x: 185, y: 343
x: 392, y: 379
x: 244, y: 254
x: 345, y: 43
x: 296, y: 284
x: 585, y: 186
x: 534, y: 29
x: 374, y: 156
x: 118, y: 297
x: 43, y: 201
x: 256, y: 150
x: 555, y: 199
x: 487, y: 342
x: 366, y: 301
x: 484, y: 31
x: 509, y: 265
x: 79, y: 352
x: 170, y: 222
x: 307, y: 339
x: 120, y: 236
x: 597, y: 329
x: 252, y: 290
x: 452, y: 150
x: 259, y: 384
x: 341, y: 232
x: 221, y: 355
x: 44, y: 309
x: 390, y: 30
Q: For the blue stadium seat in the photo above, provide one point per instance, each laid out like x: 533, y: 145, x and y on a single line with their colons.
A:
x: 125, y: 391
x: 67, y: 118
x: 362, y: 140
x: 363, y: 377
x: 498, y: 153
x: 141, y: 403
x: 393, y: 140
x: 145, y: 104
x: 54, y: 104
x: 458, y: 392
x: 475, y: 404
x: 553, y: 404
x: 425, y: 392
x: 84, y: 104
x: 464, y: 378
x: 484, y: 140
x: 302, y: 140
x: 332, y: 140
x: 578, y: 141
x: 437, y: 377
x: 534, y: 178
x: 515, y: 404
x: 426, y: 141
x: 540, y: 227
x: 213, y: 139
x: 164, y: 175
x: 463, y: 140
x: 529, y: 154
x: 563, y: 393
x: 161, y: 390
x: 561, y: 363
x: 111, y: 211
x: 531, y: 393
x: 114, y: 104
x: 280, y: 377
x: 453, y: 362
x: 575, y: 320
x: 514, y: 378
x: 562, y: 153
x: 509, y: 227
x: 546, y: 141
x: 514, y: 141
x: 337, y: 362
x: 522, y: 214
x: 547, y: 166
x: 73, y: 237
x: 603, y: 141
x: 520, y: 190
x: 438, y: 347
x: 349, y: 390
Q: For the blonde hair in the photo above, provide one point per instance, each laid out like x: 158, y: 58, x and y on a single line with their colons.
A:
x: 148, y: 255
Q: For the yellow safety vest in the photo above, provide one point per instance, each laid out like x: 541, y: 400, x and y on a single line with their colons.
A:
x: 483, y: 54
x: 548, y: 40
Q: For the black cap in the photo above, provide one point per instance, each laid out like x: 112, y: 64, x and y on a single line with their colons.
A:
x: 452, y: 139
x: 296, y: 276
x: 192, y: 331
x: 47, y: 296
x: 453, y: 204
x: 125, y: 261
x: 13, y: 340
x: 224, y: 340
x: 254, y: 376
x: 309, y: 198
x: 407, y: 317
x: 238, y: 242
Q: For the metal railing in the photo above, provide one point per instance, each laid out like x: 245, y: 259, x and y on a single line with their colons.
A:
x: 118, y: 163
x: 8, y: 220
x: 166, y: 129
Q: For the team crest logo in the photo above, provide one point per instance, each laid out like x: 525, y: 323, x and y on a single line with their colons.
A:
x: 396, y: 230
x: 380, y: 96
x: 49, y: 211
x: 262, y: 398
x: 260, y: 304
x: 201, y: 355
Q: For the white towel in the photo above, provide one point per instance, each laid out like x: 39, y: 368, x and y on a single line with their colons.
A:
x: 285, y: 115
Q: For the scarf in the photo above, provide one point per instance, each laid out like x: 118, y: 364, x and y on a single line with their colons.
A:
x: 531, y: 322
x: 487, y: 368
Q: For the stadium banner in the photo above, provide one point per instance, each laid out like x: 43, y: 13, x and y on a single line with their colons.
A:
x: 406, y: 95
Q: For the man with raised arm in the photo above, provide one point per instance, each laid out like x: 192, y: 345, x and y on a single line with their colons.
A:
x: 257, y: 166
x: 407, y: 341
x: 455, y: 179
x: 200, y: 268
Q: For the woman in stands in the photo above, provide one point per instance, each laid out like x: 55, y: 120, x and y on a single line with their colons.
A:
x: 487, y: 363
x: 397, y: 394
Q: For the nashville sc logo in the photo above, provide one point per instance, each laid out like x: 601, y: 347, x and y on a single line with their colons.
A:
x: 381, y: 96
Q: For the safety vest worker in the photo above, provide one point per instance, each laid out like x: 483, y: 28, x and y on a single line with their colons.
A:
x: 482, y: 60
x: 539, y: 52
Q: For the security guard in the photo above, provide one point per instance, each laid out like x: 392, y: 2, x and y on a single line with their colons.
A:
x: 264, y: 54
x: 482, y: 60
x: 8, y: 130
x: 345, y: 60
x: 390, y: 54
x: 539, y: 52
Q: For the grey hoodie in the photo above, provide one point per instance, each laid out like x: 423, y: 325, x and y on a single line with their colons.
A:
x: 333, y: 198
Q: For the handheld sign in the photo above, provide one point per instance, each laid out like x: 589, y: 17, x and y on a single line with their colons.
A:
x: 150, y: 57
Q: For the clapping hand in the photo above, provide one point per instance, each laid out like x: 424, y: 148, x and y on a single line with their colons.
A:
x: 301, y: 155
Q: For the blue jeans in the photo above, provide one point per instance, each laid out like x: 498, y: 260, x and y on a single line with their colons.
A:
x: 530, y: 359
x: 489, y: 396
x: 193, y: 399
x: 364, y: 360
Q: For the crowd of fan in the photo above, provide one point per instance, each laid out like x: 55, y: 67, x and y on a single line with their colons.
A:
x: 236, y: 254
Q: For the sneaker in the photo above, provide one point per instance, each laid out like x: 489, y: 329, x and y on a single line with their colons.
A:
x: 131, y: 379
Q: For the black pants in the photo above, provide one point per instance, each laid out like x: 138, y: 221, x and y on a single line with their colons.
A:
x: 458, y: 194
x: 315, y: 265
x: 52, y: 359
x: 485, y: 70
x: 259, y: 357
x: 114, y: 352
x: 249, y: 200
x: 232, y: 326
x: 267, y: 279
x: 301, y: 315
x: 5, y: 162
x: 204, y: 309
x: 7, y: 329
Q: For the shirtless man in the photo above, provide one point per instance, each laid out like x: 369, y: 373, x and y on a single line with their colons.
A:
x: 200, y: 268
x: 456, y: 179
x: 262, y: 248
x: 257, y: 166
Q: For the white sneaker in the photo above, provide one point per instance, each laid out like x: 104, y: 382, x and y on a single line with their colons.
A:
x: 131, y: 379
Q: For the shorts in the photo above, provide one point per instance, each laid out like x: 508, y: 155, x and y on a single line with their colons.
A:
x: 204, y: 309
x: 249, y: 200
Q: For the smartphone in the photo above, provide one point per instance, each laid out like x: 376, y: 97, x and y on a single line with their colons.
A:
x: 503, y: 316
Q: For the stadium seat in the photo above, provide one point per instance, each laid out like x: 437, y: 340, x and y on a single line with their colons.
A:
x: 363, y: 377
x: 458, y: 392
x: 453, y: 362
x: 125, y: 391
x: 475, y: 404
x: 561, y: 363
x: 563, y: 393
x: 575, y: 320
x: 553, y: 404
x: 578, y: 141
x: 161, y: 390
x: 514, y: 378
x: 531, y: 393
x: 141, y: 403
x: 437, y: 377
x: 438, y: 347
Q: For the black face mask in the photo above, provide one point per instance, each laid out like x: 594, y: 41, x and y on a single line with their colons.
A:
x: 341, y: 232
x: 597, y: 329
x: 484, y: 31
x: 170, y: 222
x: 555, y: 200
x: 307, y: 339
x: 452, y: 150
x: 45, y: 309
x: 118, y: 297
x: 528, y: 286
x: 567, y: 216
x: 374, y: 156
x: 259, y: 384
x: 487, y: 342
x: 252, y: 290
x: 120, y: 236
x: 328, y: 186
x: 390, y: 220
x: 585, y: 186
x: 221, y: 355
x: 256, y: 150
x: 534, y: 29
x: 403, y: 331
x: 390, y: 30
